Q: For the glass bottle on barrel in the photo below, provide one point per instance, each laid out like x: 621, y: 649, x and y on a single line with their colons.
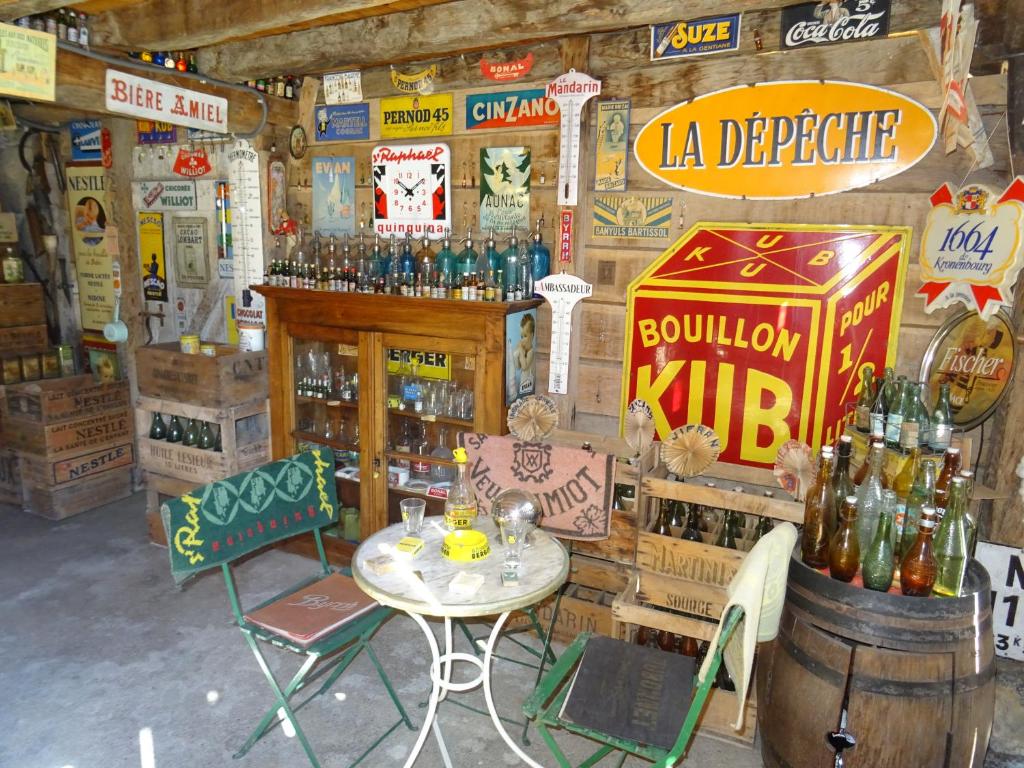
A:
x: 865, y: 401
x: 878, y: 559
x: 844, y: 548
x: 918, y: 568
x: 815, y: 540
x: 951, y: 543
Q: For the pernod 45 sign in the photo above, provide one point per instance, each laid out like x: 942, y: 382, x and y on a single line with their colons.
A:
x: 971, y: 251
x: 785, y: 139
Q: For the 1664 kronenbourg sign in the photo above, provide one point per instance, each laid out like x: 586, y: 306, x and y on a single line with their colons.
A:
x: 786, y: 139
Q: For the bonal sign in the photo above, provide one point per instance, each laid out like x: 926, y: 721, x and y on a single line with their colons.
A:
x: 713, y: 34
x: 510, y: 109
x: 786, y: 139
x: 762, y: 331
x: 973, y: 247
x: 141, y: 97
x: 833, y: 21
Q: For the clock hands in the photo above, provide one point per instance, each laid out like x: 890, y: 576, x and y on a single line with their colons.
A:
x: 412, y: 189
x: 399, y: 183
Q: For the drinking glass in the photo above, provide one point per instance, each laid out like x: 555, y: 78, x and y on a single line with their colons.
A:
x: 412, y: 514
x: 513, y: 536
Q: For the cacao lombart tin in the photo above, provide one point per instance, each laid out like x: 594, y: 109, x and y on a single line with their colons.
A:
x: 210, y: 350
x: 190, y: 344
x: 51, y: 364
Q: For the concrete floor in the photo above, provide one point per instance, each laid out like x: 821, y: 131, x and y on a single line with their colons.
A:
x: 104, y: 664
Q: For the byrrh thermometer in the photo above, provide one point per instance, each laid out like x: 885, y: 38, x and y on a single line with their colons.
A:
x: 570, y: 91
x: 563, y: 292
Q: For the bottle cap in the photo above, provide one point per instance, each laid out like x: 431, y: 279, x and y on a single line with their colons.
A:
x: 459, y: 455
x: 953, y: 451
x: 851, y: 499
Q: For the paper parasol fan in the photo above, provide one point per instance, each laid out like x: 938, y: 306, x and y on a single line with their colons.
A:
x: 690, y: 450
x: 794, y: 469
x: 638, y: 428
x: 533, y: 418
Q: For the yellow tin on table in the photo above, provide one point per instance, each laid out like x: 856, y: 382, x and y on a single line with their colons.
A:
x: 465, y: 546
x: 190, y: 344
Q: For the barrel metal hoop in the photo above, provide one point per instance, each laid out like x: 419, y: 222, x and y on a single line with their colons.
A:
x: 922, y: 689
x: 811, y: 664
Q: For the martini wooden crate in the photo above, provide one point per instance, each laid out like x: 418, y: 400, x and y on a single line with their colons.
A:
x: 56, y: 401
x: 582, y: 609
x: 10, y: 477
x: 60, y: 503
x: 21, y: 304
x: 228, y: 379
x: 23, y: 340
x: 245, y: 437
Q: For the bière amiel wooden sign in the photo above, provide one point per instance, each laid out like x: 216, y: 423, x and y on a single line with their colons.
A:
x: 786, y: 139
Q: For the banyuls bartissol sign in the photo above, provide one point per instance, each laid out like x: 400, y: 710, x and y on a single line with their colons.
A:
x: 786, y: 139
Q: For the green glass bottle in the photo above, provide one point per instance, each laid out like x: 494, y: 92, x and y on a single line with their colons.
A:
x: 218, y: 446
x: 911, y: 426
x: 764, y: 525
x: 158, y: 429
x: 174, y: 430
x: 970, y: 521
x: 727, y: 535
x: 676, y: 512
x: 877, y: 568
x: 661, y: 525
x: 942, y: 421
x: 890, y: 389
x: 894, y: 420
x: 862, y: 411
x: 206, y: 439
x: 691, y: 532
x: 191, y: 433
x: 922, y: 493
x: 951, y: 543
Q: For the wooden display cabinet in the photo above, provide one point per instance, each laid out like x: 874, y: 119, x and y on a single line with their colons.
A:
x: 357, y: 373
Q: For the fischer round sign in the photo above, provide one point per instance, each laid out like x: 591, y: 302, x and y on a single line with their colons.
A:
x: 786, y: 139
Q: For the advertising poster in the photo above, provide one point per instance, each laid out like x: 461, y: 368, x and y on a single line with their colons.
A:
x: 28, y: 63
x: 155, y: 132
x: 343, y: 87
x: 87, y: 203
x: 511, y: 109
x: 762, y: 331
x: 164, y: 195
x: 504, y: 189
x: 334, y: 194
x: 632, y: 216
x: 85, y: 140
x: 344, y: 122
x: 412, y: 189
x: 414, y: 117
x: 833, y: 21
x: 677, y: 39
x: 191, y: 262
x: 151, y: 254
x: 520, y: 354
x: 225, y: 254
x: 1005, y: 566
x: 612, y: 145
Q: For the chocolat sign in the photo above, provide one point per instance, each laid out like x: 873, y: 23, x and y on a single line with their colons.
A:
x: 833, y: 21
x: 786, y: 139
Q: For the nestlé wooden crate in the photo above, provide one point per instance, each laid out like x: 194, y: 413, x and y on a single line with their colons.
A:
x: 53, y: 473
x: 21, y: 304
x: 59, y: 503
x: 230, y: 378
x: 69, y: 439
x: 23, y: 340
x: 60, y: 400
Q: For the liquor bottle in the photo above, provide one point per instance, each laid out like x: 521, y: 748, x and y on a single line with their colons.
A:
x: 174, y: 431
x: 157, y: 430
x: 676, y: 510
x: 842, y: 485
x: 206, y: 439
x: 950, y: 469
x: 540, y: 255
x: 62, y: 25
x: 403, y: 444
x: 862, y: 411
x: 425, y: 263
x: 902, y: 485
x: 51, y: 24
x: 289, y: 87
x: 419, y: 468
x: 877, y: 570
x: 73, y: 28
x: 918, y: 567
x: 951, y: 553
x: 169, y: 61
x: 460, y: 508
x: 691, y: 531
x: 511, y: 265
x: 182, y: 62
x: 661, y: 525
x: 83, y: 30
x: 13, y: 268
x: 192, y: 66
x: 942, y: 421
x: 970, y: 521
x: 728, y: 532
x: 764, y: 525
x: 191, y: 434
x: 844, y: 547
x: 869, y: 495
x: 814, y: 546
x: 894, y: 420
x: 441, y: 473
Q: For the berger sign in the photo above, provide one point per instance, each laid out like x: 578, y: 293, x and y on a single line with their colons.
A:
x: 786, y: 139
x: 762, y: 331
x: 141, y: 97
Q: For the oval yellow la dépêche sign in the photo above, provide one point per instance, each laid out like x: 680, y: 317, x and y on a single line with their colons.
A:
x: 785, y: 139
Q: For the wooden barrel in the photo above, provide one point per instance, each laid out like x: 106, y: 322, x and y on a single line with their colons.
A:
x: 917, y: 675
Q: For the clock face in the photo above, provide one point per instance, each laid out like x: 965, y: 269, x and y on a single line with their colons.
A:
x: 411, y: 188
x: 297, y: 142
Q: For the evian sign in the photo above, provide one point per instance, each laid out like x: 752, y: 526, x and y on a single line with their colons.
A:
x: 834, y: 21
x: 140, y: 97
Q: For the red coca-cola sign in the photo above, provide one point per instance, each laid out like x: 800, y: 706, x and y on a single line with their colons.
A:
x: 192, y: 163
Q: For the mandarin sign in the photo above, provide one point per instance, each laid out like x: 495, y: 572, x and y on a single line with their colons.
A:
x: 762, y: 331
x: 786, y: 139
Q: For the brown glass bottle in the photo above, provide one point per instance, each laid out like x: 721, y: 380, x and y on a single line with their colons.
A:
x: 643, y: 635
x: 666, y: 640
x: 688, y: 646
x: 950, y: 469
x: 918, y: 569
x: 814, y: 542
x: 661, y: 525
x: 842, y: 485
x: 844, y: 549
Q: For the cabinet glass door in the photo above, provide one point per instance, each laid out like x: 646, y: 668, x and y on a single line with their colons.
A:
x: 430, y: 400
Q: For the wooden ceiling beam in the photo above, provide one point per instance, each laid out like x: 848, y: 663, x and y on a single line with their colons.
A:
x: 162, y: 25
x: 15, y: 9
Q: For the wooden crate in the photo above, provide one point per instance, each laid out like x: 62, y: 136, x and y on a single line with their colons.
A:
x: 70, y: 439
x: 10, y: 477
x: 23, y: 340
x: 245, y: 433
x: 55, y: 401
x: 59, y: 503
x: 229, y: 379
x: 158, y: 489
x: 581, y: 610
x: 21, y: 304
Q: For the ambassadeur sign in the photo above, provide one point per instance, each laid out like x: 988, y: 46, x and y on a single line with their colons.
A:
x: 762, y: 331
x: 785, y: 139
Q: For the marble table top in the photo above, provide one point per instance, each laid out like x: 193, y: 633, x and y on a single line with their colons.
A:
x: 420, y: 585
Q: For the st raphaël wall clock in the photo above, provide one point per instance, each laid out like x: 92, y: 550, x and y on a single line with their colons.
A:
x: 412, y: 189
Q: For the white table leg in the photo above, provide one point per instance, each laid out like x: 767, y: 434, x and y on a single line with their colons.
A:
x: 488, y: 656
x: 435, y: 692
x: 447, y: 658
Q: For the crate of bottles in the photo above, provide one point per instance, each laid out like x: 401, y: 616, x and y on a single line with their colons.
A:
x: 158, y: 490
x: 201, y: 444
x: 224, y: 379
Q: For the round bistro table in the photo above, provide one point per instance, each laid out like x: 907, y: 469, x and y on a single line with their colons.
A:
x: 420, y: 588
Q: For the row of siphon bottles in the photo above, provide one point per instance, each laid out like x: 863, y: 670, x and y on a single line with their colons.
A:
x: 470, y: 275
x: 916, y: 524
x: 193, y: 434
x: 895, y: 409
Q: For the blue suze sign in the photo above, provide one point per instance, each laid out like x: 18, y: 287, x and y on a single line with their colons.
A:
x: 510, y: 109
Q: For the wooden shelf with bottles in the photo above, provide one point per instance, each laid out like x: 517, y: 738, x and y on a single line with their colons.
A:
x: 360, y: 333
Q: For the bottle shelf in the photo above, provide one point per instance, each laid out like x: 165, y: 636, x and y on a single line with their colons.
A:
x: 333, y: 402
x: 403, y: 456
x: 429, y: 417
x: 312, y: 437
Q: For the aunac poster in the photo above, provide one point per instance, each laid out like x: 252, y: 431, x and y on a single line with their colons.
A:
x: 504, y: 188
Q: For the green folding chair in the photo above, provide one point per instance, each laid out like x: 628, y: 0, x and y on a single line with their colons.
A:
x: 217, y: 524
x: 616, y: 677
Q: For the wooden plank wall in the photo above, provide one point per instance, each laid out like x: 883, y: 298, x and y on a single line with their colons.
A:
x: 620, y: 60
